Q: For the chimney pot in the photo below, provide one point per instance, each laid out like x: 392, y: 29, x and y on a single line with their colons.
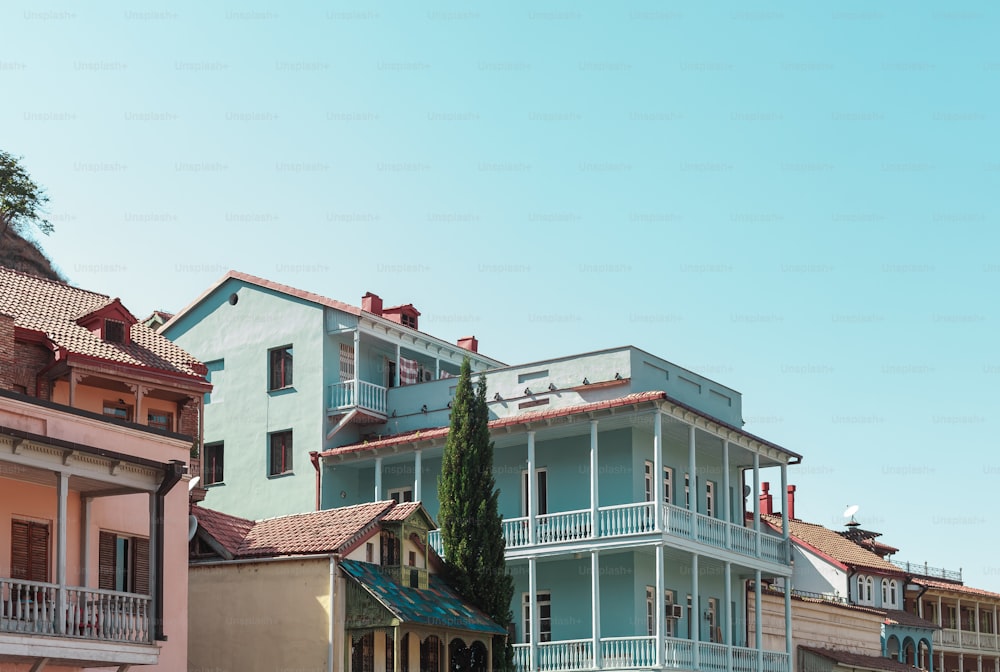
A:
x: 766, y: 500
x: 791, y: 502
x: 469, y: 343
x: 372, y: 303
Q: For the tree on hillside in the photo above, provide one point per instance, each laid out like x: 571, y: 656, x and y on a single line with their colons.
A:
x: 471, y: 527
x: 22, y: 202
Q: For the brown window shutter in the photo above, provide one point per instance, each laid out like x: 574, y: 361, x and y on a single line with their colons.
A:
x: 141, y: 565
x: 107, y: 561
x: 20, y: 550
x: 39, y: 552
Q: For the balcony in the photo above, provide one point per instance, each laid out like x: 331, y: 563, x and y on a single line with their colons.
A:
x: 966, y: 639
x: 32, y: 608
x: 621, y: 653
x: 360, y: 394
x: 923, y: 569
x: 635, y: 520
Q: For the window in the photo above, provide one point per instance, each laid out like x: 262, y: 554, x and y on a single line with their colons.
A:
x: 541, y: 496
x: 401, y: 495
x: 369, y: 552
x: 408, y: 320
x: 950, y: 621
x: 710, y: 499
x: 670, y: 621
x: 390, y: 548
x: 160, y: 420
x: 412, y: 559
x: 280, y: 461
x: 20, y: 389
x: 118, y: 410
x: 885, y: 593
x: 430, y: 653
x: 280, y: 368
x: 690, y: 619
x: 29, y: 550
x: 710, y: 615
x: 687, y: 490
x: 866, y: 589
x: 214, y: 465
x: 346, y: 362
x: 650, y: 611
x: 217, y: 376
x: 668, y: 485
x: 544, y: 616
x: 363, y: 653
x: 123, y: 563
x: 892, y: 593
x: 114, y: 331
x: 648, y: 481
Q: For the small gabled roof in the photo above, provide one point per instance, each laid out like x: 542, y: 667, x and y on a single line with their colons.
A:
x: 953, y: 587
x: 832, y: 545
x: 859, y: 660
x: 401, y: 512
x: 905, y: 618
x: 436, y: 606
x: 228, y: 531
x: 55, y: 313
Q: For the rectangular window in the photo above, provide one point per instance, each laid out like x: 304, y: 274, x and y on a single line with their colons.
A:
x: 401, y: 495
x: 214, y: 464
x: 369, y: 552
x: 647, y: 481
x: 650, y: 611
x: 114, y: 331
x: 160, y: 420
x: 412, y: 558
x: 668, y: 600
x: 542, y: 492
x: 710, y: 616
x: 710, y: 499
x: 280, y: 368
x: 123, y: 563
x: 217, y: 376
x: 29, y: 550
x: 346, y: 362
x: 668, y: 485
x: 280, y: 458
x: 118, y: 410
x: 544, y: 600
x: 687, y: 490
x: 408, y: 321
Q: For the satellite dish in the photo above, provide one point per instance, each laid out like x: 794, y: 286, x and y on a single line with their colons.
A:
x: 746, y: 491
x: 192, y: 527
x: 851, y: 510
x: 193, y: 483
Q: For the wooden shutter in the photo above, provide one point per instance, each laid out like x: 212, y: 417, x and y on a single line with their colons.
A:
x: 29, y: 551
x: 107, y: 564
x: 141, y: 566
x: 346, y: 362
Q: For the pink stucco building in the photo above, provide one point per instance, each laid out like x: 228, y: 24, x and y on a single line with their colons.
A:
x: 99, y: 423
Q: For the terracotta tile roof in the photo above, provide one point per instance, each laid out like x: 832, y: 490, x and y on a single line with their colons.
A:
x: 954, y: 587
x: 327, y: 531
x: 438, y: 606
x: 833, y: 545
x: 899, y: 617
x: 229, y: 531
x: 52, y: 308
x: 531, y: 416
x: 859, y: 660
x: 402, y: 511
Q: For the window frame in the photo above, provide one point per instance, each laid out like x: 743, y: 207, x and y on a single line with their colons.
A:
x: 127, y: 411
x: 280, y: 362
x: 541, y: 494
x: 402, y: 494
x: 668, y: 485
x: 650, y: 611
x: 542, y: 597
x: 710, y: 498
x: 167, y: 426
x: 287, y: 468
x: 35, y: 557
x: 209, y: 448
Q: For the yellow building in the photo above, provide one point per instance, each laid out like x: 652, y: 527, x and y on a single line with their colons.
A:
x: 344, y: 590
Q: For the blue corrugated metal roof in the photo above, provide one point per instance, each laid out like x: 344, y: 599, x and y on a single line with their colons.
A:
x: 437, y: 606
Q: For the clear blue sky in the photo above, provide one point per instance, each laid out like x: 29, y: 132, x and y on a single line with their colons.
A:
x: 799, y: 202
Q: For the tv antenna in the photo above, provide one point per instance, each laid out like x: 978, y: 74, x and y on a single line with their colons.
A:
x: 849, y: 513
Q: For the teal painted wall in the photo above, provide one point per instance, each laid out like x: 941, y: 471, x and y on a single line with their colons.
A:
x: 241, y: 335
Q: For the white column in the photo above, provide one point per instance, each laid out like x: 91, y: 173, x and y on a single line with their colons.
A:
x: 940, y: 614
x: 784, y: 513
x: 357, y: 366
x: 395, y: 375
x: 595, y: 605
x: 417, y: 475
x: 437, y: 370
x: 533, y: 610
x: 979, y: 663
x: 694, y: 628
x: 378, y: 479
x: 692, y: 478
x: 532, y: 501
x: 758, y: 630
x: 726, y: 503
x: 660, y: 604
x: 85, y: 508
x: 976, y: 624
x: 756, y: 503
x: 788, y: 617
x: 62, y: 493
x: 657, y: 478
x: 727, y: 632
x: 594, y: 513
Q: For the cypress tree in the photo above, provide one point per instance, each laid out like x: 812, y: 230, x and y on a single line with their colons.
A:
x: 471, y: 527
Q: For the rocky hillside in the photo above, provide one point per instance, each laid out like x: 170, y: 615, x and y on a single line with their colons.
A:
x: 23, y: 255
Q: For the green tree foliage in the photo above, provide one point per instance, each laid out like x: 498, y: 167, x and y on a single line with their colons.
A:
x: 22, y: 202
x: 471, y: 527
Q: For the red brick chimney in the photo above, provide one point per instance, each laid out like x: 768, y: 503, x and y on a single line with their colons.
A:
x: 766, y: 501
x: 371, y: 303
x: 791, y: 502
x: 469, y: 343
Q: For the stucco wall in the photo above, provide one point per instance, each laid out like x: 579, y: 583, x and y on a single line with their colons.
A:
x: 260, y: 616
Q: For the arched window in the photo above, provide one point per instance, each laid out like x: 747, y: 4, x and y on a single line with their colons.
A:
x: 885, y: 592
x: 892, y: 593
x: 866, y: 588
x: 869, y: 590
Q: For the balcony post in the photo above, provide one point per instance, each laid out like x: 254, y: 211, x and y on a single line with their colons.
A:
x: 727, y: 632
x: 594, y: 513
x: 62, y: 491
x: 532, y: 503
x: 757, y: 629
x: 940, y: 614
x: 788, y: 618
x: 660, y: 602
x: 694, y: 627
x: 533, y: 615
x: 657, y: 477
x: 357, y: 365
x: 756, y: 504
x: 727, y: 505
x: 595, y: 605
x: 417, y: 475
x: 378, y: 479
x: 784, y: 513
x: 976, y: 623
x: 395, y: 375
x: 693, y: 478
x: 85, y: 509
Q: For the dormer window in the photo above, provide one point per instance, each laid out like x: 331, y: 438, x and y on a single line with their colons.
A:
x: 409, y: 321
x: 114, y: 331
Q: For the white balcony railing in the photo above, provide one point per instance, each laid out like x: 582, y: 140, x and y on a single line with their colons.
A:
x: 30, y: 607
x: 678, y: 653
x: 626, y: 519
x: 358, y: 394
x: 574, y: 654
x: 712, y: 657
x: 553, y: 528
x: 619, y: 653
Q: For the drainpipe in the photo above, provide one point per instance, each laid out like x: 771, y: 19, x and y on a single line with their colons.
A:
x: 175, y: 469
x: 314, y: 458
